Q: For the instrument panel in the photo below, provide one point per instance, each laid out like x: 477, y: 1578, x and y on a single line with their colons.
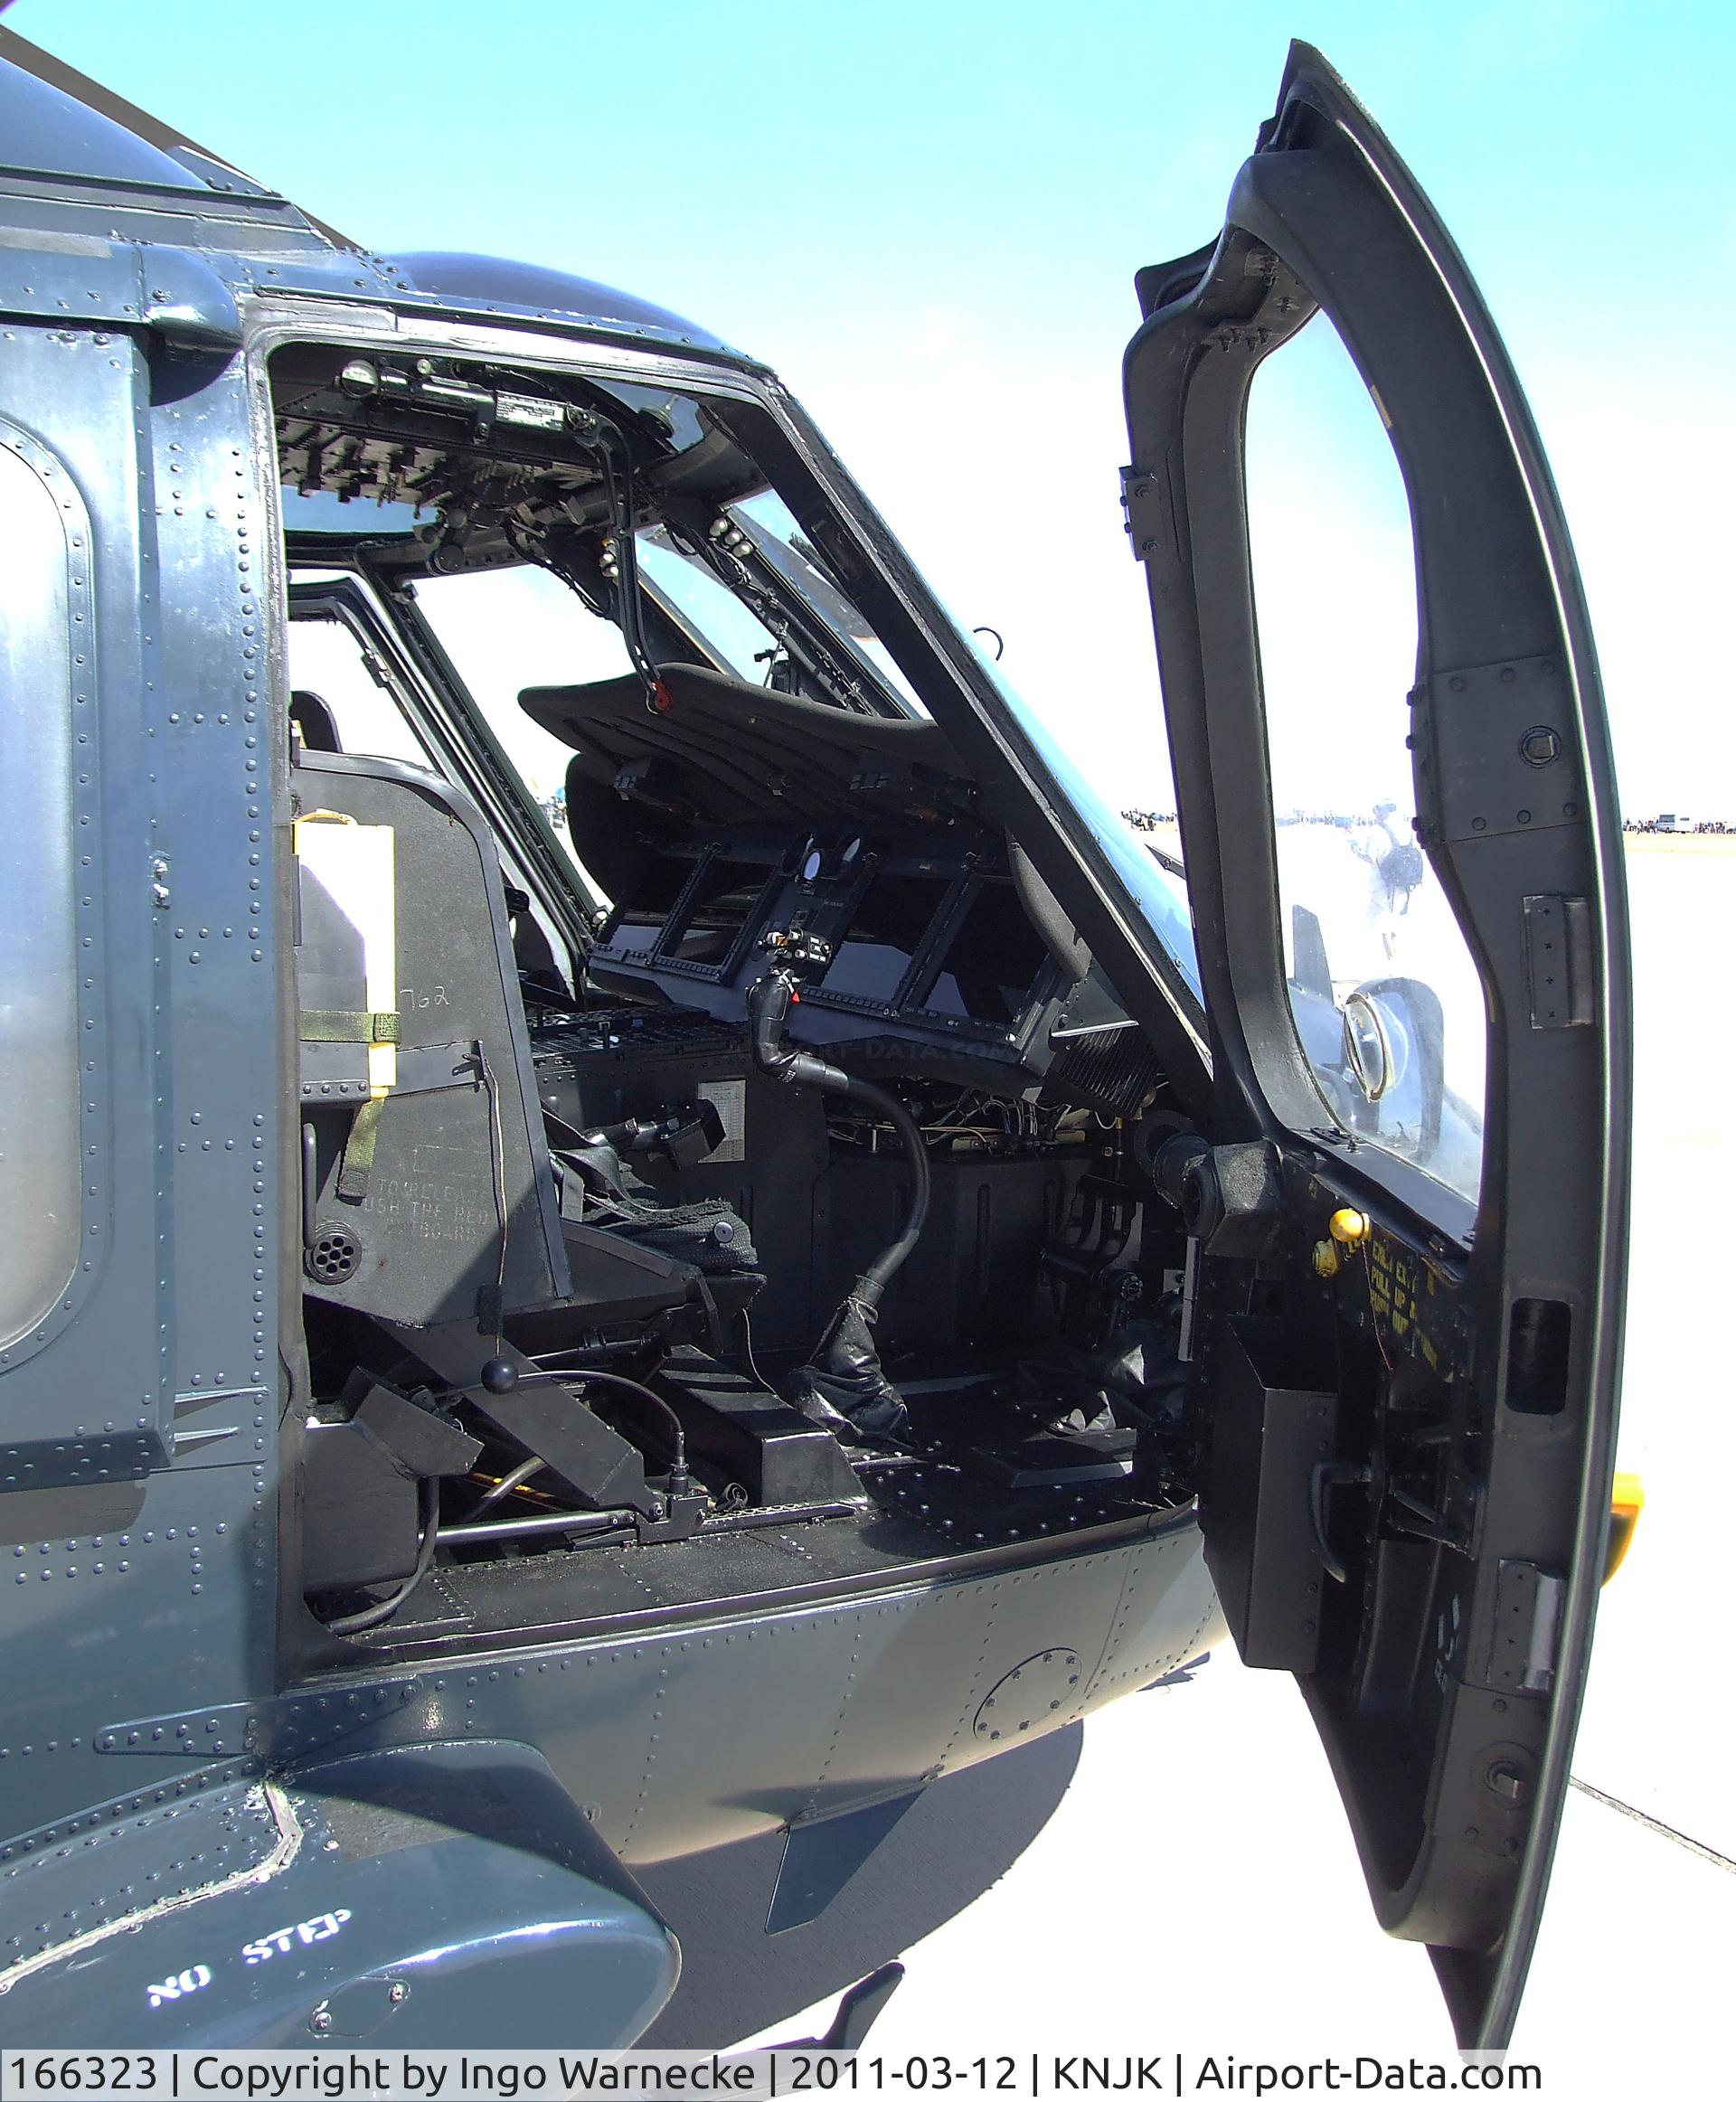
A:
x: 936, y: 945
x: 889, y: 937
x: 742, y: 822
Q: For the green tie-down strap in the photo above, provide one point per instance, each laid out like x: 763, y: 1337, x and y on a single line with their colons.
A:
x: 364, y: 1027
x: 421, y: 1069
x: 348, y: 1025
x: 358, y: 1155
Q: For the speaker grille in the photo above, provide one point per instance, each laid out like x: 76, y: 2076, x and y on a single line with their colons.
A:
x: 333, y: 1256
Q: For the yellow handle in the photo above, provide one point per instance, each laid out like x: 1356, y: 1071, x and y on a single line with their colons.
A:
x: 1627, y: 1501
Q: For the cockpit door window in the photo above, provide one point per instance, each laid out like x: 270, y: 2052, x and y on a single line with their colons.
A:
x: 1383, y: 990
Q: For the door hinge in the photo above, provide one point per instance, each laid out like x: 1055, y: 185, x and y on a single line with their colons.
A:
x: 1558, y: 962
x: 1527, y: 1632
x: 1150, y: 516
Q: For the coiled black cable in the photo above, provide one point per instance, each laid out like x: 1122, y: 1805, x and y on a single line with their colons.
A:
x: 886, y: 1265
x: 769, y: 1003
x: 383, y: 1610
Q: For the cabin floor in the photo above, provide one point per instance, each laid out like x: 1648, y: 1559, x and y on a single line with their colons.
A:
x: 978, y: 1488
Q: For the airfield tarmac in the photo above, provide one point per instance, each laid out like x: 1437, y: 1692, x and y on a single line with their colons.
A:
x: 1196, y: 1888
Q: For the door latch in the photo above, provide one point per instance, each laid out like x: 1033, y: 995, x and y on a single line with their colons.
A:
x: 1324, y: 1477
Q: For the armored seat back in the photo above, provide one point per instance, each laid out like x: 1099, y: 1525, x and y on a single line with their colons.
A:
x: 428, y: 1197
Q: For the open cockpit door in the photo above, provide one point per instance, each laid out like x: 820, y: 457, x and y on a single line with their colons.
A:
x: 1406, y: 1262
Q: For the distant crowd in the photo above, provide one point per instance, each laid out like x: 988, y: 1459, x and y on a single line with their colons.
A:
x: 1345, y: 821
x: 1149, y: 820
x: 1667, y: 822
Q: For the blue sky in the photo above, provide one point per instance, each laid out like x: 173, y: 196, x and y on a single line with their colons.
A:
x: 927, y: 218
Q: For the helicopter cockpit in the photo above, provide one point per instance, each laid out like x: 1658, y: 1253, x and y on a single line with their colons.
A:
x: 643, y: 1221
x: 784, y: 1180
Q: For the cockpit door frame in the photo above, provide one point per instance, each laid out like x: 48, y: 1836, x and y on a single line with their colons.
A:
x: 1453, y: 1766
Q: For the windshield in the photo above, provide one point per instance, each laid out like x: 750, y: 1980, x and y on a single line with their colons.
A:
x: 700, y: 603
x: 780, y: 564
x: 767, y: 521
x: 1151, y: 872
x: 760, y: 601
x: 747, y: 645
x: 529, y: 504
x: 763, y: 602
